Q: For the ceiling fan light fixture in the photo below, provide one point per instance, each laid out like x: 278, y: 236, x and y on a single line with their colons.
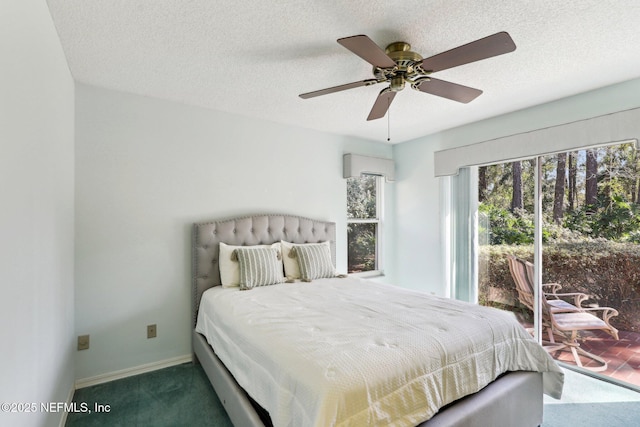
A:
x: 397, y: 84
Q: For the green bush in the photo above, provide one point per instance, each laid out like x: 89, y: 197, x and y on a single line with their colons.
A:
x: 517, y: 228
x: 507, y: 227
x: 609, y: 271
x: 613, y: 219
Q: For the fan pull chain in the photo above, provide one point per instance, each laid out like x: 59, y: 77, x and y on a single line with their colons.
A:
x: 388, y: 120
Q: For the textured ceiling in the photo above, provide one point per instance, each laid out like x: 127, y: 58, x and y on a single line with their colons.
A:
x: 253, y: 57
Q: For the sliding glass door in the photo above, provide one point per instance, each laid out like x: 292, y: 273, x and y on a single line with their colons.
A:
x: 506, y: 226
x: 576, y: 217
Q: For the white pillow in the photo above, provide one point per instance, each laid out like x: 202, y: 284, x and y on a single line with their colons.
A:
x: 291, y: 268
x: 230, y: 268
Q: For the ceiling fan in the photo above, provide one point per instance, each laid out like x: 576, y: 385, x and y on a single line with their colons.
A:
x: 398, y: 65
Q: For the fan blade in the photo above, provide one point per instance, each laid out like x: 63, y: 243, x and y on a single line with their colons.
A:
x: 449, y: 90
x: 494, y: 45
x: 338, y: 88
x: 382, y: 104
x: 366, y: 49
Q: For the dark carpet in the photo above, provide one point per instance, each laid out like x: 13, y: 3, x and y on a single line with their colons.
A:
x: 176, y: 396
x: 182, y: 396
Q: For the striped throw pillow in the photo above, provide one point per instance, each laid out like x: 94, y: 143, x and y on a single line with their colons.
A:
x: 314, y: 261
x: 259, y: 267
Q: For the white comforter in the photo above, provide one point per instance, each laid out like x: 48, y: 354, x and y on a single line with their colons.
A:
x: 350, y: 352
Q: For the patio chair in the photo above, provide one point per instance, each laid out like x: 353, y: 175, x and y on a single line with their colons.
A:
x: 554, y: 299
x: 526, y: 295
x: 568, y: 324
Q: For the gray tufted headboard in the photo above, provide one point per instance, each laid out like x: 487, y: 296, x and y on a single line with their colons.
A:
x: 248, y: 230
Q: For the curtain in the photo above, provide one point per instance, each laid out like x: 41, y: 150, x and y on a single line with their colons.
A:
x: 460, y: 224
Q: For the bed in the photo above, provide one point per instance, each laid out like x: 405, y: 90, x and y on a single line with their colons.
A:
x: 507, y: 394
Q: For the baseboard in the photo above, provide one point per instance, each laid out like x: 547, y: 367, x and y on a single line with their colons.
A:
x: 63, y: 419
x: 136, y: 370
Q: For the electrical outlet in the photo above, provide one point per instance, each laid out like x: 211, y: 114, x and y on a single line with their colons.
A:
x: 83, y: 342
x: 151, y: 331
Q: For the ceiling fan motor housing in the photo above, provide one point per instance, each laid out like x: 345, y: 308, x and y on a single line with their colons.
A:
x: 406, y: 69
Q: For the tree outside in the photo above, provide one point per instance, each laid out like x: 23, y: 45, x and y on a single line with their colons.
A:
x: 591, y: 226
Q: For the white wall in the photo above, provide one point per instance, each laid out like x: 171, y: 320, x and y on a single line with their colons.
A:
x: 36, y: 214
x: 146, y: 169
x: 419, y: 259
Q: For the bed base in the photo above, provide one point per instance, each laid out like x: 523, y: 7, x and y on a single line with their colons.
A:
x: 515, y: 399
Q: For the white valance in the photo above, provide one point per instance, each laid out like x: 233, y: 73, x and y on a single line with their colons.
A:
x: 614, y: 128
x: 355, y: 165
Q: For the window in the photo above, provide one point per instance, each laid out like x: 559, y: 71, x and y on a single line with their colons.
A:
x: 364, y: 213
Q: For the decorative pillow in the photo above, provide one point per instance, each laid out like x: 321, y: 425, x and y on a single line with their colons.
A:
x: 259, y: 267
x: 314, y: 261
x: 229, y: 267
x: 291, y: 269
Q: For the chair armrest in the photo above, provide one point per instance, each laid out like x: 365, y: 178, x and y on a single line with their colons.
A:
x: 578, y: 297
x: 555, y: 287
x: 607, y: 312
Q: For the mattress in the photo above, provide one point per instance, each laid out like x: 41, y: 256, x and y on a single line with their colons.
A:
x: 353, y: 352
